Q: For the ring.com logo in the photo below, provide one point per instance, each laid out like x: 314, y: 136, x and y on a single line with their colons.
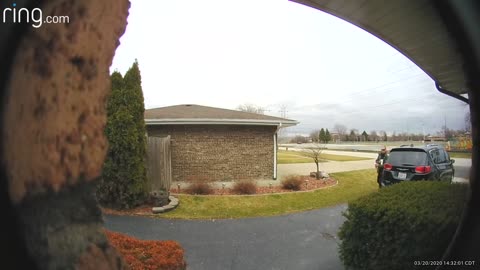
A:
x: 33, y: 16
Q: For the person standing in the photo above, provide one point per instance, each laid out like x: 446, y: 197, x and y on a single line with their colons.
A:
x: 382, y: 155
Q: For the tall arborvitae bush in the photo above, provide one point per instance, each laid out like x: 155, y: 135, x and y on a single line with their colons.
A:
x: 123, y: 183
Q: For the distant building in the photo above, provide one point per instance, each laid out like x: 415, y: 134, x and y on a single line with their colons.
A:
x: 462, y: 142
x: 435, y: 139
x: 336, y: 137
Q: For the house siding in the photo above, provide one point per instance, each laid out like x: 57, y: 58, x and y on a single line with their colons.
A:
x: 219, y: 153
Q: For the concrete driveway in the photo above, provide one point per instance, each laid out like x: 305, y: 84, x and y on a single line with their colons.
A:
x: 301, y: 241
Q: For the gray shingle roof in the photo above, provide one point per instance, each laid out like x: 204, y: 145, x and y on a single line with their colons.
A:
x: 196, y: 114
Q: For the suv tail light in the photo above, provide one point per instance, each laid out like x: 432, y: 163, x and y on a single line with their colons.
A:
x: 387, y: 166
x: 423, y: 169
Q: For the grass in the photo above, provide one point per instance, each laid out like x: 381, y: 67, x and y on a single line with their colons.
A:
x: 351, y: 185
x: 460, y: 154
x: 287, y: 157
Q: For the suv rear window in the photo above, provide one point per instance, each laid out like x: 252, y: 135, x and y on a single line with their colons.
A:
x: 439, y: 156
x: 407, y: 157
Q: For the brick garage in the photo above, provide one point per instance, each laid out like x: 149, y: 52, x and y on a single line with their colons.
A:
x: 217, y: 144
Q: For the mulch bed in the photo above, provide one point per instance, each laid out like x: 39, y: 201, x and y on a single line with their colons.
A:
x: 312, y: 185
x: 148, y: 254
x: 140, y: 210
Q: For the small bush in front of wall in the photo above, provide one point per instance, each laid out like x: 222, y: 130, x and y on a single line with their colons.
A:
x: 245, y: 187
x: 292, y: 182
x: 200, y: 188
x: 400, y: 225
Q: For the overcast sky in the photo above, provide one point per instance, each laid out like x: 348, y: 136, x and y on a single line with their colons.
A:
x: 275, y: 53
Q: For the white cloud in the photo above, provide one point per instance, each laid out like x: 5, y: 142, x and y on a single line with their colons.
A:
x: 327, y: 71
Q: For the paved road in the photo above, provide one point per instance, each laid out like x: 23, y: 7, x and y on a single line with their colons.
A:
x: 303, y: 241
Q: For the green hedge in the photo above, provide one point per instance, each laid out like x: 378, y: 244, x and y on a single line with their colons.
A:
x: 124, y: 180
x: 400, y: 224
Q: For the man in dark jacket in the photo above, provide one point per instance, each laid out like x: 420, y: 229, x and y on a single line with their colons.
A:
x: 379, y: 164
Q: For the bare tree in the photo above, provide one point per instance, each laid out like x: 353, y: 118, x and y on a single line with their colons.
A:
x: 353, y: 135
x: 315, y: 154
x: 395, y: 137
x: 468, y: 122
x: 448, y: 133
x: 384, y: 135
x: 373, y: 135
x: 314, y: 135
x: 341, y: 130
x: 299, y: 139
x: 251, y: 108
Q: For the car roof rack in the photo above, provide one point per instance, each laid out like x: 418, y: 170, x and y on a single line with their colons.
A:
x: 406, y: 145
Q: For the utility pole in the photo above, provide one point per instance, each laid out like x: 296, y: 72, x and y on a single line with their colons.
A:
x: 408, y: 132
x: 423, y: 131
x: 445, y: 127
x: 283, y: 111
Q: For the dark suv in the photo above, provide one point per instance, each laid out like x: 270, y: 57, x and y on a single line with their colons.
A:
x: 409, y: 163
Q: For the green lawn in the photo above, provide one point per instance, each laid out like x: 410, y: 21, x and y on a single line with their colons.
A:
x: 351, y: 185
x: 460, y: 155
x: 287, y: 157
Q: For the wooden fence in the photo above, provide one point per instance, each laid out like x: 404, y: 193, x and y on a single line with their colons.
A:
x: 159, y: 163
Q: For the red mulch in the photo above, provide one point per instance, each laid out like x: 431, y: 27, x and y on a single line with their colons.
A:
x: 140, y: 210
x: 148, y: 254
x: 312, y: 185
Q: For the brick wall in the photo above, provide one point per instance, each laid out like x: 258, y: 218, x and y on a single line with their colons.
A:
x: 52, y: 135
x: 219, y: 153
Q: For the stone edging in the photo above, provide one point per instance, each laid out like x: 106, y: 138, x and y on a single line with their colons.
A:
x: 263, y: 194
x: 170, y: 206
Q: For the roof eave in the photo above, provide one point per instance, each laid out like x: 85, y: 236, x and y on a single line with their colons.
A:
x: 245, y: 122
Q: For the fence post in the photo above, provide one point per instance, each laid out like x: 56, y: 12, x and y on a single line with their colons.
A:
x: 159, y: 168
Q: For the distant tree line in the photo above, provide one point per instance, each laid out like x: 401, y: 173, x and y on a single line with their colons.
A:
x: 341, y: 134
x: 321, y: 136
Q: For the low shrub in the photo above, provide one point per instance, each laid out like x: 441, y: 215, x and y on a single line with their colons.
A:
x: 200, y: 188
x: 401, y: 224
x: 245, y: 187
x: 148, y: 254
x: 293, y: 182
